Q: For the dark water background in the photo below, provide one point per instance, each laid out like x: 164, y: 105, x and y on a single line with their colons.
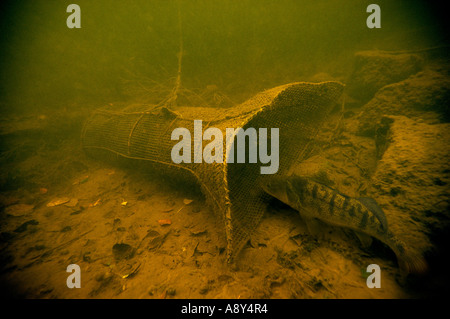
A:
x: 241, y: 47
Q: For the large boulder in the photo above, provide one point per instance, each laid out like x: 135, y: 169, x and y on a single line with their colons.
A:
x: 424, y: 95
x: 412, y: 179
x: 375, y: 69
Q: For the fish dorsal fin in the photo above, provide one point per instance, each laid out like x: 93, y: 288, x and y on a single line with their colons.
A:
x: 373, y: 206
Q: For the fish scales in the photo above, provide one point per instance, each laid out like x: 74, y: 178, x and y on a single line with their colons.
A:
x: 321, y: 202
x: 316, y: 200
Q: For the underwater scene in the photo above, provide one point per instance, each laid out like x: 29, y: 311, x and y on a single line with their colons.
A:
x: 224, y: 149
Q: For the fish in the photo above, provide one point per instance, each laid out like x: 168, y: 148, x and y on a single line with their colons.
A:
x: 315, y: 200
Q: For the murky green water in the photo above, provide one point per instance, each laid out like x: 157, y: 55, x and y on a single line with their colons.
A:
x: 240, y: 46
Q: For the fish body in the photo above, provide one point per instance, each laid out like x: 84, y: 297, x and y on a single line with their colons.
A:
x: 316, y: 200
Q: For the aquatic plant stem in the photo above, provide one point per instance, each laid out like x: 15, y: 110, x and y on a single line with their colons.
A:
x: 172, y: 100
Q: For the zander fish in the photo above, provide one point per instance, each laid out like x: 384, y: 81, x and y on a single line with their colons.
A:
x: 317, y: 201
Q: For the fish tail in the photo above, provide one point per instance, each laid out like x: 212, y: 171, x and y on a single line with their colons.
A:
x: 413, y: 264
x: 409, y: 262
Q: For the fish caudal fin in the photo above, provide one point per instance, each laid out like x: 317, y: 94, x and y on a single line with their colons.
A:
x: 413, y: 264
x: 410, y: 262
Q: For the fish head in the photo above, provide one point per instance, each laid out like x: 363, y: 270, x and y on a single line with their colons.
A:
x: 276, y: 186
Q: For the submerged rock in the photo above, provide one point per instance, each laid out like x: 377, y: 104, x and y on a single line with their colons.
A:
x: 375, y: 69
x: 122, y: 251
x: 411, y: 178
x: 25, y: 225
x: 425, y: 95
